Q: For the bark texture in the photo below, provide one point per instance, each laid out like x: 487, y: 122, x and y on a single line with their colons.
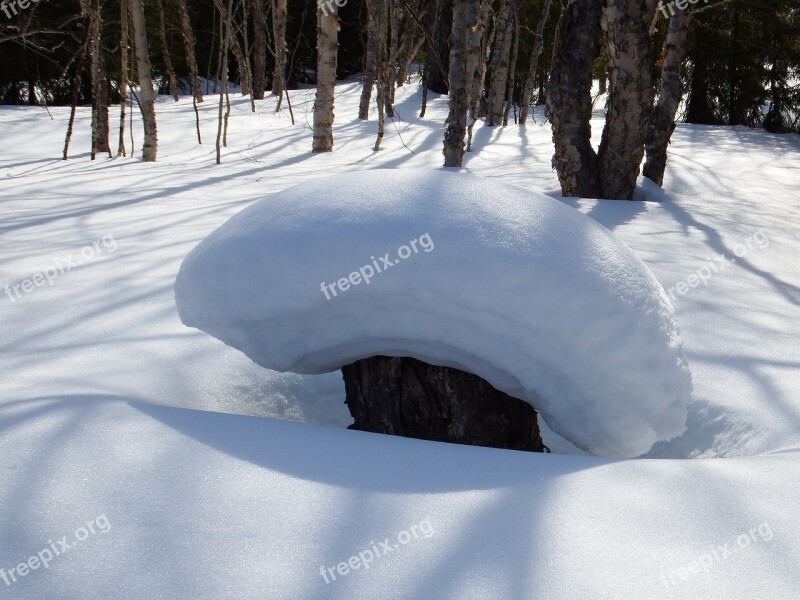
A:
x: 569, y: 101
x: 662, y: 121
x: 504, y: 27
x: 410, y: 398
x: 538, y: 46
x: 150, y: 147
x: 372, y: 52
x: 259, y: 50
x: 162, y: 33
x: 279, y: 35
x: 327, y: 50
x: 630, y: 95
x: 437, y: 52
x: 455, y: 129
x: 187, y: 33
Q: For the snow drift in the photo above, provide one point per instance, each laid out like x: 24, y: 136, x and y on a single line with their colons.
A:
x: 531, y: 295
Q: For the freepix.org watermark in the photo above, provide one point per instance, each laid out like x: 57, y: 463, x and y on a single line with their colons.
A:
x: 718, y: 265
x: 378, y: 265
x: 706, y: 561
x: 44, y: 557
x: 9, y: 7
x: 107, y: 243
x: 679, y: 4
x: 326, y: 6
x: 379, y: 550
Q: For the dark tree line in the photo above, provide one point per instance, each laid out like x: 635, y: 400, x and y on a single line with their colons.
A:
x: 728, y: 62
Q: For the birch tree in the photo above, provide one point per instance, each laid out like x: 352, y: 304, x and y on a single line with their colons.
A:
x: 538, y: 46
x: 148, y: 99
x: 455, y: 128
x: 662, y: 121
x: 327, y: 52
x: 279, y: 35
x: 500, y: 60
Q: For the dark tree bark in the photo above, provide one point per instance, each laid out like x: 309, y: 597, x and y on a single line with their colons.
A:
x: 437, y: 52
x: 455, y: 128
x: 630, y: 95
x: 162, y: 32
x: 189, y: 42
x: 569, y: 101
x: 662, y: 121
x: 538, y: 45
x: 504, y: 26
x: 259, y: 49
x: 410, y: 398
x: 372, y: 53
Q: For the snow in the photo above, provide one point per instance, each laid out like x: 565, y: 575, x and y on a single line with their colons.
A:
x: 110, y: 405
x: 573, y: 322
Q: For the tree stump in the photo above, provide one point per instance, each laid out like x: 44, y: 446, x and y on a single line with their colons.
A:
x: 410, y: 398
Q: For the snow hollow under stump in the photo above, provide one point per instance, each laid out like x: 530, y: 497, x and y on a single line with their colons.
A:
x: 458, y: 271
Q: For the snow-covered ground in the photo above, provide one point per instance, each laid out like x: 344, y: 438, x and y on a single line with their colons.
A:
x: 110, y: 407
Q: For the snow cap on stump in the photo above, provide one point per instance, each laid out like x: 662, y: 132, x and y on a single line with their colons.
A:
x: 455, y: 270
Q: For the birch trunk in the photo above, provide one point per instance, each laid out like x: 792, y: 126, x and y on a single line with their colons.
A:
x: 162, y: 32
x: 538, y: 45
x: 456, y: 124
x: 259, y: 50
x: 569, y: 101
x: 279, y: 34
x: 189, y: 41
x: 150, y: 148
x: 123, y: 73
x: 662, y: 121
x: 373, y: 51
x: 327, y: 50
x: 500, y: 58
x: 626, y: 24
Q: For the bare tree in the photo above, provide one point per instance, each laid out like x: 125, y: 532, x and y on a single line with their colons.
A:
x: 538, y: 45
x: 630, y: 94
x: 327, y: 51
x: 162, y: 32
x: 500, y: 60
x: 569, y: 100
x: 484, y: 38
x: 371, y: 54
x: 662, y: 121
x: 279, y: 35
x: 123, y: 73
x: 455, y: 128
x: 189, y: 42
x: 222, y: 130
x: 259, y: 49
x: 148, y: 99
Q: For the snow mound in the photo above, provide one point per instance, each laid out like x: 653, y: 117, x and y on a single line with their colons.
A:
x: 454, y: 270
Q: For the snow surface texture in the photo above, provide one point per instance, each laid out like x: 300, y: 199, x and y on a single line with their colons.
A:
x: 455, y: 270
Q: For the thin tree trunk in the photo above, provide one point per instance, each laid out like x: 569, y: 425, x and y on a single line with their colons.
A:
x: 327, y: 51
x: 379, y: 11
x: 437, y: 52
x: 259, y: 50
x: 76, y: 90
x: 662, y: 121
x: 189, y: 41
x: 123, y: 73
x: 630, y: 95
x: 410, y: 398
x: 569, y: 101
x: 100, y: 127
x: 456, y: 125
x: 224, y: 44
x: 150, y: 148
x: 512, y: 69
x: 162, y: 33
x: 279, y: 35
x: 371, y: 56
x: 246, y: 40
x: 484, y: 40
x: 245, y: 76
x: 538, y: 46
x: 500, y: 59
